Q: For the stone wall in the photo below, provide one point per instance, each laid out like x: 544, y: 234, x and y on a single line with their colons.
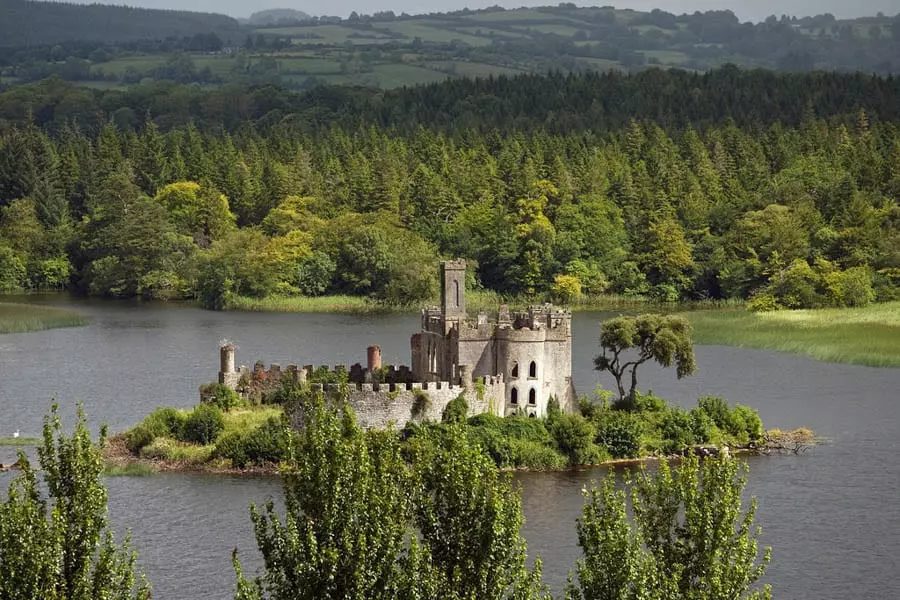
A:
x: 380, y: 405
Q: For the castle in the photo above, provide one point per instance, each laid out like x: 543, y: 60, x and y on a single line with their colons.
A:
x: 513, y: 364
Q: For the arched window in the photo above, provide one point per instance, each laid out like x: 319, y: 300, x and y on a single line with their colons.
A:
x: 515, y: 370
x: 532, y: 396
x: 514, y: 396
x: 532, y: 369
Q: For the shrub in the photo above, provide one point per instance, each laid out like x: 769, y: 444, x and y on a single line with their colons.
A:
x: 763, y: 303
x: 526, y: 453
x: 702, y: 425
x: 456, y: 410
x: 619, y: 432
x: 574, y: 437
x: 203, y: 425
x: 267, y: 444
x: 741, y: 423
x: 221, y: 396
x: 649, y: 403
x: 162, y: 422
x: 677, y: 430
x: 748, y: 424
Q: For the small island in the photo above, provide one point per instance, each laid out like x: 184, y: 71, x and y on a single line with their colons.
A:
x: 507, y: 379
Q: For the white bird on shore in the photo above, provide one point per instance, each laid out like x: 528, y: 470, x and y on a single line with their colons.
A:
x: 15, y: 433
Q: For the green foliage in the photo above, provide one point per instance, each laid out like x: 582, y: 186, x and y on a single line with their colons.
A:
x: 456, y: 411
x: 619, y: 432
x: 741, y: 422
x: 348, y: 504
x: 12, y: 270
x: 55, y: 539
x: 665, y: 339
x: 203, y: 424
x: 267, y: 444
x: 574, y: 436
x: 221, y: 396
x: 470, y: 518
x: 162, y: 422
x: 688, y: 536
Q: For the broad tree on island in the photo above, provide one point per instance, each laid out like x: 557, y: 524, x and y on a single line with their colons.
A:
x: 628, y: 342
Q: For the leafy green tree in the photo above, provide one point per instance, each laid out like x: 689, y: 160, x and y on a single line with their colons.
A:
x: 688, y: 536
x: 199, y: 211
x: 348, y: 505
x: 60, y: 546
x: 628, y: 342
x: 470, y: 520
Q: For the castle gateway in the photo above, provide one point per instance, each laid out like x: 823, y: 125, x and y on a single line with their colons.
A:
x: 512, y: 364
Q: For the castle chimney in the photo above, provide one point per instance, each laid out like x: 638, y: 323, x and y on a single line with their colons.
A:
x: 373, y: 357
x: 226, y: 358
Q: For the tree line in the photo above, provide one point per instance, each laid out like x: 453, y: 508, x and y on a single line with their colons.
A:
x: 790, y: 215
x: 555, y: 103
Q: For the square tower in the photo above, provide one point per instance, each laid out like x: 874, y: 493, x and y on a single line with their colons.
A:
x: 453, y: 291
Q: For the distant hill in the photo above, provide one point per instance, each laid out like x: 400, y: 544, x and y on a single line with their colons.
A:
x: 276, y: 17
x: 26, y: 23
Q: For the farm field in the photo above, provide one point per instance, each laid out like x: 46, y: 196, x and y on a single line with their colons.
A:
x: 389, y: 51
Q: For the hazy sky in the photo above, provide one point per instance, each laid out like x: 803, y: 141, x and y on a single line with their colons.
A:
x: 754, y: 10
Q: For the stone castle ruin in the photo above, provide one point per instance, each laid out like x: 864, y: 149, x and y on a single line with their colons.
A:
x: 513, y: 364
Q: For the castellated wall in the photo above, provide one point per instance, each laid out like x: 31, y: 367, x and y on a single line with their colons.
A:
x: 379, y: 405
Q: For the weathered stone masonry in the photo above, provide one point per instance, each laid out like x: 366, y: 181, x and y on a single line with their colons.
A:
x: 515, y: 363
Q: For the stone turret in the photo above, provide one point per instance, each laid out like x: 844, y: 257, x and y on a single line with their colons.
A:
x: 453, y: 292
x: 228, y: 376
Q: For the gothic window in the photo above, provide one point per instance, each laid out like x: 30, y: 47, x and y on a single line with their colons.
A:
x: 532, y: 396
x: 532, y: 369
x: 456, y: 294
x: 514, y: 396
x: 515, y: 370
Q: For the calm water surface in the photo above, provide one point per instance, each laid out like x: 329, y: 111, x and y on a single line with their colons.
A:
x: 832, y: 516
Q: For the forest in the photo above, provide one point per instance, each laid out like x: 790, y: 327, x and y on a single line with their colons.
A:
x: 784, y: 195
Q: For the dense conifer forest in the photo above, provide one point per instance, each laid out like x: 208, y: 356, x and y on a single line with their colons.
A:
x: 781, y: 189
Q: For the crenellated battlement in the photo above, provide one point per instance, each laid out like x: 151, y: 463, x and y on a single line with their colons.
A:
x: 501, y: 363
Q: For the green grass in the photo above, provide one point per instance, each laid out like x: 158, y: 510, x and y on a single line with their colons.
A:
x: 319, y: 304
x: 19, y: 318
x: 20, y: 442
x: 862, y: 336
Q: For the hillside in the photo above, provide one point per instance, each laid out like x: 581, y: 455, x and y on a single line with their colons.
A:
x: 386, y: 50
x: 26, y: 23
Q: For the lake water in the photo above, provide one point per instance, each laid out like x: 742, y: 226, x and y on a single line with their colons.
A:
x: 832, y: 515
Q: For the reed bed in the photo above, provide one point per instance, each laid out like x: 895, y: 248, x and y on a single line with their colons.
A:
x: 19, y: 318
x: 862, y: 336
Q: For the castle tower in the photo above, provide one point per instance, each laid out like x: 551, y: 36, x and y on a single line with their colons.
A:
x: 453, y: 291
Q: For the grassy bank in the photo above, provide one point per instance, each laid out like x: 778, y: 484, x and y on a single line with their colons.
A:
x: 317, y: 304
x: 476, y: 301
x: 19, y: 442
x: 862, y: 336
x: 19, y: 318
